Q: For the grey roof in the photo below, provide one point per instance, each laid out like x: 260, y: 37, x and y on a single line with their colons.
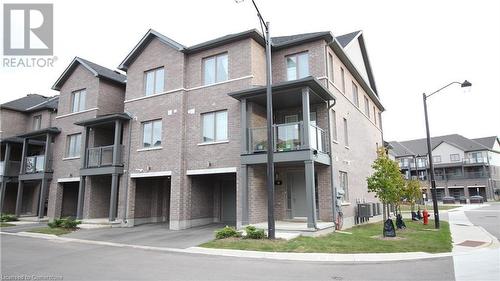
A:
x: 252, y: 33
x: 489, y: 142
x: 97, y: 70
x: 50, y: 103
x: 345, y: 39
x: 25, y: 103
x: 286, y: 41
x: 418, y: 147
x: 102, y: 119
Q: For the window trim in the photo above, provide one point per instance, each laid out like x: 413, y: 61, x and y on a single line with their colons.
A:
x: 346, y: 133
x: 434, y: 157
x: 455, y: 154
x: 342, y: 77
x: 203, y: 61
x: 355, y: 100
x: 202, y: 115
x: 335, y: 135
x: 297, y: 67
x: 37, y: 122
x: 331, y: 67
x: 77, y: 150
x: 345, y: 188
x: 153, y: 146
x: 153, y: 70
x: 367, y: 106
x: 72, y: 101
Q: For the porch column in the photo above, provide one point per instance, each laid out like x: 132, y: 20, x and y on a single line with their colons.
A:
x: 310, y: 194
x: 244, y: 194
x: 4, y: 177
x: 81, y: 198
x: 244, y: 126
x: 85, y: 146
x: 306, y: 118
x: 116, y: 143
x: 43, y: 187
x: 114, y: 197
x: 21, y: 183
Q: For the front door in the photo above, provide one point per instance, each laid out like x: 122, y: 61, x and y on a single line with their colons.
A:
x: 297, y: 187
x: 228, y: 208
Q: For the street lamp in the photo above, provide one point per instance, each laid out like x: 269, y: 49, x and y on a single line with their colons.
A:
x: 429, y: 149
x: 270, y: 145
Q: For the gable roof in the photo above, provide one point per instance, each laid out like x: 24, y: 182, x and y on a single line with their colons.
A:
x: 489, y: 142
x: 97, y: 70
x: 418, y: 147
x: 345, y: 39
x: 31, y: 102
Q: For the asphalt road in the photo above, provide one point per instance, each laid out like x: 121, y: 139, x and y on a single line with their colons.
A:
x: 487, y: 217
x: 76, y: 261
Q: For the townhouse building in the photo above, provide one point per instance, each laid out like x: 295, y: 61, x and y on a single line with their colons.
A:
x: 181, y: 138
x: 463, y: 167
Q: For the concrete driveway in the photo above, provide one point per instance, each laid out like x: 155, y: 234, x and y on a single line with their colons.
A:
x: 157, y: 235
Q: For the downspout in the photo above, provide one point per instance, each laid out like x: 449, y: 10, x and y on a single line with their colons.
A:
x: 333, y: 189
x: 128, y: 168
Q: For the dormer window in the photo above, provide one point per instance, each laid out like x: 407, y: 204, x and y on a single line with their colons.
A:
x: 78, y: 99
x: 154, y: 81
x: 297, y: 66
x: 215, y: 69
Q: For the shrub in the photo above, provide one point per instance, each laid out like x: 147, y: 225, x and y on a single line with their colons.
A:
x: 68, y: 223
x: 8, y: 217
x: 254, y: 233
x: 226, y: 232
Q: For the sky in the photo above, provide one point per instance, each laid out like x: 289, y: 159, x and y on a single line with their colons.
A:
x: 413, y: 47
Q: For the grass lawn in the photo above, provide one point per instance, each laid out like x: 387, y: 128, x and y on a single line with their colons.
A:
x: 364, y: 239
x: 4, y: 224
x: 56, y: 230
x: 407, y: 208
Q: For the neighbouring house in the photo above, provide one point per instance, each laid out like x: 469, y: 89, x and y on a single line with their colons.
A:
x: 463, y: 167
x: 181, y: 137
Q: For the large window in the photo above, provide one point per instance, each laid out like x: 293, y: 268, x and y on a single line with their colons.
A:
x: 367, y: 107
x: 436, y: 158
x: 334, y: 125
x: 297, y: 66
x: 344, y: 184
x: 214, y: 126
x: 342, y: 80
x: 151, y: 134
x: 346, y: 134
x: 374, y: 115
x: 78, y: 100
x: 73, y: 145
x: 154, y: 81
x: 355, y: 96
x: 215, y: 69
x: 455, y: 157
x: 37, y: 122
x: 330, y: 67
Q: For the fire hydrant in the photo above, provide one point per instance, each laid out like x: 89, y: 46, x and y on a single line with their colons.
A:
x: 425, y: 214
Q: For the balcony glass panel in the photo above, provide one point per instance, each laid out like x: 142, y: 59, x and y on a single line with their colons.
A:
x: 34, y: 164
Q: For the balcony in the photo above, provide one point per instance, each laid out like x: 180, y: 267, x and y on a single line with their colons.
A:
x: 102, y: 156
x: 288, y: 137
x: 12, y: 170
x: 480, y: 160
x: 34, y: 164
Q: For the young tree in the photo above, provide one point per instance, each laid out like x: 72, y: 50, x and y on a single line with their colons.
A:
x: 412, y: 192
x: 386, y: 180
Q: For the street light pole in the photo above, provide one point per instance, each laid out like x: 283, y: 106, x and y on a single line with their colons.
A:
x: 429, y: 150
x: 270, y: 138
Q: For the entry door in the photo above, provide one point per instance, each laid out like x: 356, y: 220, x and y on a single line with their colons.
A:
x: 228, y: 212
x: 297, y: 183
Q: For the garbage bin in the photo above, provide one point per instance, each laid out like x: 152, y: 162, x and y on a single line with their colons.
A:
x: 476, y: 199
x: 448, y: 200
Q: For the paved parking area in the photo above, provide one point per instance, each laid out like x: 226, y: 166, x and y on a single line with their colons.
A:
x: 157, y: 235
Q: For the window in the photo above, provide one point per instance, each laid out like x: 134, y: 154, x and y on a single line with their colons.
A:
x: 374, y: 115
x: 214, y: 126
x: 455, y: 157
x: 346, y: 134
x: 367, y: 107
x: 342, y: 80
x: 78, y: 100
x: 73, y: 145
x: 380, y: 119
x: 297, y: 66
x: 334, y: 125
x: 154, y: 81
x: 151, y: 133
x: 436, y: 159
x: 330, y: 67
x: 37, y: 122
x: 355, y: 97
x: 344, y: 185
x: 215, y: 69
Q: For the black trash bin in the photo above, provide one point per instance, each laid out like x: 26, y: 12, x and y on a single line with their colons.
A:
x: 448, y: 200
x: 476, y: 199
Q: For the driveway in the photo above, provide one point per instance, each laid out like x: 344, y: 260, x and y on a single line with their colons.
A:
x: 157, y: 235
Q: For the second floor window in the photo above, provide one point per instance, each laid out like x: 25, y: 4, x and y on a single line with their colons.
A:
x: 151, y: 134
x: 374, y: 115
x: 37, y: 122
x: 455, y: 157
x: 334, y: 125
x: 367, y: 107
x: 344, y: 185
x: 78, y: 99
x: 342, y: 80
x: 436, y: 159
x: 214, y: 126
x: 297, y: 66
x: 330, y: 67
x: 154, y: 81
x: 355, y: 96
x: 215, y: 69
x: 346, y: 134
x: 73, y: 145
